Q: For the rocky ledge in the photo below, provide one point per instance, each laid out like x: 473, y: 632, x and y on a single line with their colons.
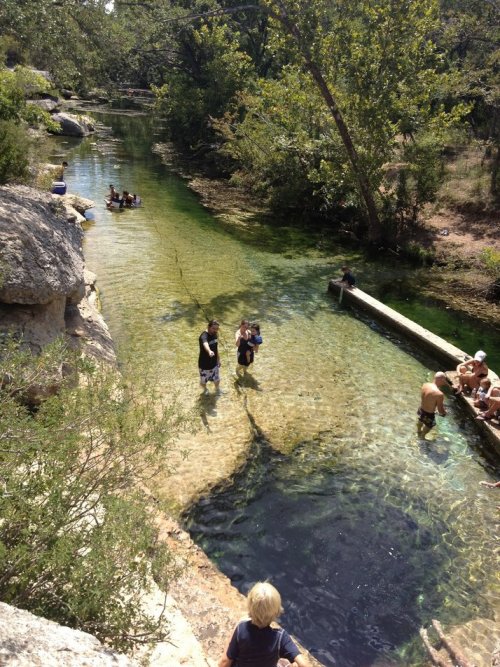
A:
x: 45, y: 292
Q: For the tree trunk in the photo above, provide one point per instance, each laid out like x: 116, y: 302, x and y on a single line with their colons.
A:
x: 375, y: 231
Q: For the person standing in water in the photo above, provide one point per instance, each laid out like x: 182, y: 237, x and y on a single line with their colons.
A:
x: 241, y: 339
x: 254, y: 342
x: 208, y: 359
x: 432, y: 399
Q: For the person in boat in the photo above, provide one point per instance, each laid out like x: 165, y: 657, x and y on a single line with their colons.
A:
x: 254, y: 642
x: 113, y: 194
x: 128, y: 199
x: 470, y: 373
x: 432, y: 399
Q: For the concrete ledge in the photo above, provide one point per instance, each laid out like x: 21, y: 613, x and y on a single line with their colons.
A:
x: 435, y: 345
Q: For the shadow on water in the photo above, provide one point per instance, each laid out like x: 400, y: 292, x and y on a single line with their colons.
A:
x: 358, y: 566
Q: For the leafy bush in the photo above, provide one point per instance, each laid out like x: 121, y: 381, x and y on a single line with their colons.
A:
x: 14, y: 151
x: 491, y: 260
x: 78, y: 542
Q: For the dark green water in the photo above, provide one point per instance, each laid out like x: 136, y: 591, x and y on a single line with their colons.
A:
x: 367, y: 532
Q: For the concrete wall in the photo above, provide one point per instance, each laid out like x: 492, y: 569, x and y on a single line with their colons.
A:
x: 436, y: 346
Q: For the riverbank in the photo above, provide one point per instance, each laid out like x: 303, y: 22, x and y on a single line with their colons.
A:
x: 455, y: 238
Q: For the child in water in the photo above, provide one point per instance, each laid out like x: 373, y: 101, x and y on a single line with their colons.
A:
x: 254, y: 642
x: 254, y: 342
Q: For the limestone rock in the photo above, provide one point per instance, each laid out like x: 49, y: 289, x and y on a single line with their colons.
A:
x: 73, y: 125
x: 48, y: 104
x: 30, y: 641
x: 41, y: 258
x: 81, y: 204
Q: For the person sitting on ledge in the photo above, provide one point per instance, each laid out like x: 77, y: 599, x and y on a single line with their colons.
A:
x: 347, y: 280
x: 470, y: 373
x: 492, y: 400
x: 254, y: 642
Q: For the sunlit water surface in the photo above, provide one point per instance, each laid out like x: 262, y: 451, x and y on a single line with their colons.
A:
x: 367, y: 533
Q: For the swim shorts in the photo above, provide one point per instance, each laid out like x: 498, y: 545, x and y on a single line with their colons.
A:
x: 427, y: 418
x: 211, y: 375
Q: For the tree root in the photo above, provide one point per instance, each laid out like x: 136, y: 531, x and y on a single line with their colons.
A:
x: 455, y: 656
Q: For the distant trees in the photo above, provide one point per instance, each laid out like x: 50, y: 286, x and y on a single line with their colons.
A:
x: 16, y: 115
x: 470, y: 40
x: 375, y: 87
x: 374, y: 77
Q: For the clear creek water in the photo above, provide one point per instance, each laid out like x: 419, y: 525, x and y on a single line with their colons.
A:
x: 367, y: 532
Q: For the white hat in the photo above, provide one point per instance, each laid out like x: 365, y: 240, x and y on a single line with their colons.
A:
x: 480, y: 355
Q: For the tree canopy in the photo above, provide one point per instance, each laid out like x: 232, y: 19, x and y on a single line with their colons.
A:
x: 372, y: 84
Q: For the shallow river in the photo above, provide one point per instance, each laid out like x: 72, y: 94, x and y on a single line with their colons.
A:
x: 367, y: 533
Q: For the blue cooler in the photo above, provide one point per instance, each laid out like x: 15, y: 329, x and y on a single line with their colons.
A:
x: 58, y: 188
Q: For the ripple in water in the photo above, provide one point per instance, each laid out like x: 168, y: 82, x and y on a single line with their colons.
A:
x: 360, y: 567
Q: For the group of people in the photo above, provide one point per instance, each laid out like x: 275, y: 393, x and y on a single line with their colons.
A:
x: 126, y: 200
x: 472, y: 378
x: 247, y: 340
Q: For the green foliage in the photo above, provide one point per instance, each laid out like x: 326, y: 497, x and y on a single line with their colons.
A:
x: 491, y: 260
x: 78, y: 542
x: 15, y: 148
x: 213, y: 71
x: 285, y: 148
x: 383, y: 71
x: 414, y: 252
x: 15, y: 117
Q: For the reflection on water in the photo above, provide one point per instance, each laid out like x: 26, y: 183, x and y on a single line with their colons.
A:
x: 367, y: 532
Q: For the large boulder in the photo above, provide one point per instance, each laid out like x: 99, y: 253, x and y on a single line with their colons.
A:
x: 30, y: 641
x: 41, y: 258
x: 72, y: 125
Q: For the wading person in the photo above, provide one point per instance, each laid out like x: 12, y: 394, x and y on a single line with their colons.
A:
x: 432, y: 399
x: 254, y: 642
x: 242, y: 339
x: 208, y: 360
x: 254, y: 342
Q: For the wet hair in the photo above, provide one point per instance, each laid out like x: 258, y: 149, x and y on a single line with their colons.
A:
x: 256, y: 326
x: 264, y: 604
x: 64, y: 164
x: 211, y: 323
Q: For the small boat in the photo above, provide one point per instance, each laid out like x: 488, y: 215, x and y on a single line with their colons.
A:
x: 58, y: 188
x: 113, y: 204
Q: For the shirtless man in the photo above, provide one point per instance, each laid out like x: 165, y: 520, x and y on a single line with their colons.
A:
x: 432, y: 400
